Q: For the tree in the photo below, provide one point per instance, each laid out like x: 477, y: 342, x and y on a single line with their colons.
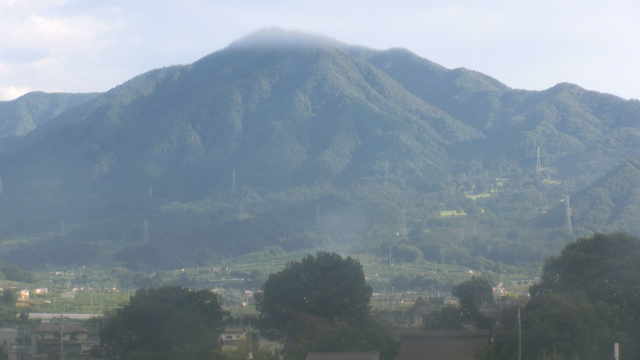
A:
x: 370, y: 336
x: 605, y: 266
x: 568, y: 326
x: 15, y: 273
x: 588, y: 298
x: 602, y: 271
x: 406, y: 253
x: 324, y: 285
x: 164, y: 323
x: 8, y: 299
x: 321, y: 303
x: 448, y: 318
x: 472, y: 294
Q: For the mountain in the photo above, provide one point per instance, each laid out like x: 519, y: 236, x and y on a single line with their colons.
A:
x: 612, y: 203
x: 291, y: 140
x: 579, y: 131
x: 21, y: 116
x: 278, y: 116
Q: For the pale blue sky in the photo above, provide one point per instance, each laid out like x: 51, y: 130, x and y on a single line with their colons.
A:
x: 93, y: 45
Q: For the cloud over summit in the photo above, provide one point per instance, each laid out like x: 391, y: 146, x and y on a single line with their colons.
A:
x: 75, y: 45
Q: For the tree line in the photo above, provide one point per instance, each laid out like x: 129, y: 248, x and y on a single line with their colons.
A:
x: 320, y: 303
x: 588, y: 298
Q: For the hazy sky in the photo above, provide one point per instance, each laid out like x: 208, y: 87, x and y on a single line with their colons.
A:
x: 93, y: 45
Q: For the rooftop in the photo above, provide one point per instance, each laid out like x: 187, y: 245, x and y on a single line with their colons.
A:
x: 343, y: 356
x: 66, y: 328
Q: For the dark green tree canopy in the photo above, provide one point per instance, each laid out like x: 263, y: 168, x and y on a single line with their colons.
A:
x: 164, y: 323
x: 606, y: 266
x: 588, y: 298
x: 8, y: 299
x: 448, y: 318
x: 567, y: 326
x: 15, y: 273
x: 602, y: 271
x: 473, y: 293
x: 321, y: 303
x: 325, y: 285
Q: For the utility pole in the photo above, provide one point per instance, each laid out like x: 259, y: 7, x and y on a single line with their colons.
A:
x: 519, y: 334
x: 403, y: 221
x: 61, y: 338
x: 391, y: 298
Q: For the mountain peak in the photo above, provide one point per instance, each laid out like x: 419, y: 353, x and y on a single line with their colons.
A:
x: 565, y: 86
x: 275, y: 37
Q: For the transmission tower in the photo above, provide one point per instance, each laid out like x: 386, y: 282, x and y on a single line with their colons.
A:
x: 539, y: 166
x: 233, y: 181
x: 386, y: 173
x: 145, y: 231
x: 568, y: 214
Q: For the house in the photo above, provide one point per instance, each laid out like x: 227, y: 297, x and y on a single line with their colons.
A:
x: 421, y: 308
x: 452, y: 213
x: 41, y: 291
x: 232, y: 338
x: 343, y: 356
x: 50, y: 339
x: 438, y: 344
x: 499, y: 291
x: 24, y: 295
x: 47, y: 317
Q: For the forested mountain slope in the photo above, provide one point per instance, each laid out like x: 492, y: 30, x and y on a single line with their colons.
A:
x: 262, y: 143
x: 611, y: 203
x: 21, y: 116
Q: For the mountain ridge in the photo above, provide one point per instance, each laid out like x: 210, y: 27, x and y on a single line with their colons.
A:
x: 20, y: 116
x: 277, y: 114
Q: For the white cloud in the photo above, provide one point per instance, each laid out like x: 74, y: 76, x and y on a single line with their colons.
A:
x: 12, y: 92
x: 44, y: 45
x: 79, y: 45
x: 53, y: 32
x: 30, y: 5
